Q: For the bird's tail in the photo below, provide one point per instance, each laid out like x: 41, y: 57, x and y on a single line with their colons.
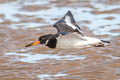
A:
x: 105, y: 41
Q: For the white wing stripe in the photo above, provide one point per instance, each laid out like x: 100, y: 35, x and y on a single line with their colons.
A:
x: 69, y: 23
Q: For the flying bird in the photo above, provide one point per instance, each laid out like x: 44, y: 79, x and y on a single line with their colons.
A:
x: 69, y: 35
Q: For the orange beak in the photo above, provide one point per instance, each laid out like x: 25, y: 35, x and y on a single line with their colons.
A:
x: 32, y: 44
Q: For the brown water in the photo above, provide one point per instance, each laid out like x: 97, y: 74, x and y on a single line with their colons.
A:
x: 23, y: 21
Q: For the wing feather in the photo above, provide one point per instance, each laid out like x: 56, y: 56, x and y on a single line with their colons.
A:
x: 67, y: 24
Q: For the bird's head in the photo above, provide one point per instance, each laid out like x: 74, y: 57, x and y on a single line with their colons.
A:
x: 49, y: 40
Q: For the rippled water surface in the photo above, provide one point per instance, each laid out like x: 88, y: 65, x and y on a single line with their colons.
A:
x: 23, y: 21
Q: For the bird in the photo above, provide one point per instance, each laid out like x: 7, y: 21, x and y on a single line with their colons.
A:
x: 68, y: 35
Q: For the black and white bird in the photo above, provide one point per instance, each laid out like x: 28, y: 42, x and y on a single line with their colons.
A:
x: 67, y: 24
x: 69, y: 35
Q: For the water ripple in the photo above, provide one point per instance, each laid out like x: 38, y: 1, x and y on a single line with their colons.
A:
x: 32, y: 58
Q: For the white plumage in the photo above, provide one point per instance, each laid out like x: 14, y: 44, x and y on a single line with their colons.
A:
x: 69, y: 22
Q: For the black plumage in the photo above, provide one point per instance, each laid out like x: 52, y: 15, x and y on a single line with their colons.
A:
x: 67, y: 24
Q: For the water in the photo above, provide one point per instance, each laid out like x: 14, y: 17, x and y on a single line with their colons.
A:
x: 23, y: 21
x: 47, y: 76
x: 80, y: 14
x: 32, y: 58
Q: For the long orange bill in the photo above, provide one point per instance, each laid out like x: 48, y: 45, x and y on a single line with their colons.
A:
x: 32, y: 44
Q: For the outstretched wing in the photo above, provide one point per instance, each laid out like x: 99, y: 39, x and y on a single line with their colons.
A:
x: 67, y: 24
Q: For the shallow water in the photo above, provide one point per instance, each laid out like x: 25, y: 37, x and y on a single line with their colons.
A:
x: 46, y: 76
x: 23, y: 21
x: 32, y: 58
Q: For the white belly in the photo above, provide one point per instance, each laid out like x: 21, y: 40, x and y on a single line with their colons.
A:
x: 75, y: 41
x: 89, y: 42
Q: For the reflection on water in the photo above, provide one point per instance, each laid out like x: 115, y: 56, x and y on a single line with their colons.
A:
x: 103, y: 7
x: 47, y: 76
x: 20, y: 22
x: 32, y: 58
x: 112, y: 57
x: 96, y: 22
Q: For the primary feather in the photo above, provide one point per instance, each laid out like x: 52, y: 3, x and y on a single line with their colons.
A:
x: 67, y: 24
